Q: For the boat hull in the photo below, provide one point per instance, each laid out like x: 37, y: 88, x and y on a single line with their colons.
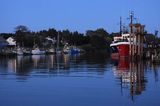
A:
x: 120, y: 50
x: 123, y: 50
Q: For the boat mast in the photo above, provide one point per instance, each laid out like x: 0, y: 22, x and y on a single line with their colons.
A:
x: 120, y: 26
x: 131, y: 21
x: 58, y: 41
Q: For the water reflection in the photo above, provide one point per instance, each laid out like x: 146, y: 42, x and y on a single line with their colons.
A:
x: 27, y: 65
x: 129, y: 72
x: 66, y: 61
x: 131, y: 75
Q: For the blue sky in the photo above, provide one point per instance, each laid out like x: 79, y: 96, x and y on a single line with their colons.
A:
x: 79, y: 15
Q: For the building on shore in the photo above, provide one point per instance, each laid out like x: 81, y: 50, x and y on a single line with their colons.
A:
x: 11, y: 41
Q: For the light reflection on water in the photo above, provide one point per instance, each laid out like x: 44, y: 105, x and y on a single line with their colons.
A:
x: 78, y: 80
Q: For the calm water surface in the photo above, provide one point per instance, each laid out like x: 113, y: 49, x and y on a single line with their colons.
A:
x: 84, y: 80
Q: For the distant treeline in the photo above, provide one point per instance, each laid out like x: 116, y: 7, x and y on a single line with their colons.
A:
x: 92, y: 40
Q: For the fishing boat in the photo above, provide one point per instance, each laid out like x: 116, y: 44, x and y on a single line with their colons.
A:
x: 129, y: 44
x: 120, y: 46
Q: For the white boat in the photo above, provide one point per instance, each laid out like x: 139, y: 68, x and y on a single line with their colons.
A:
x: 27, y: 52
x: 37, y: 51
x: 66, y: 50
x: 51, y: 50
x: 19, y: 51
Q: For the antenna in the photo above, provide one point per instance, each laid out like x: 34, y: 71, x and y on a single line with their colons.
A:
x: 131, y: 18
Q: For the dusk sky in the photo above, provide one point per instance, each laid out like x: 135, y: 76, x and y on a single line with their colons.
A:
x: 80, y: 15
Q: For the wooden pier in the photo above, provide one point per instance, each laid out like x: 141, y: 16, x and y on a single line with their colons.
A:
x: 136, y: 39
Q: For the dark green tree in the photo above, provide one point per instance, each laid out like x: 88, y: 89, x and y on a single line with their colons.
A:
x: 20, y: 32
x: 99, y: 39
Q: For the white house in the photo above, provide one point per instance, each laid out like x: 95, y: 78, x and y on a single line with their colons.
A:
x: 11, y: 41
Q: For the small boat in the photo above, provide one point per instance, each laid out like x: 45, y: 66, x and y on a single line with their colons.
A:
x: 75, y: 50
x: 66, y: 49
x: 71, y: 50
x: 19, y: 51
x: 37, y: 51
x: 27, y: 52
x: 50, y: 51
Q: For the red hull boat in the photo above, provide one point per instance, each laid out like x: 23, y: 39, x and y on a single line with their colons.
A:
x: 120, y: 46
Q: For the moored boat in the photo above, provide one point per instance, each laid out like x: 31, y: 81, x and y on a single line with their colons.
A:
x: 37, y: 51
x: 19, y: 51
x: 120, y: 46
x: 130, y: 43
x: 50, y: 51
x: 71, y: 50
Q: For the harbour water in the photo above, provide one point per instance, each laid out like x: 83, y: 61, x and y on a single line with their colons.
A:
x: 79, y: 80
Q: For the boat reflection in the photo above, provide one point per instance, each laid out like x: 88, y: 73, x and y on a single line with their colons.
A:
x: 23, y: 65
x: 66, y: 60
x: 35, y: 59
x: 131, y: 76
x: 55, y: 64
